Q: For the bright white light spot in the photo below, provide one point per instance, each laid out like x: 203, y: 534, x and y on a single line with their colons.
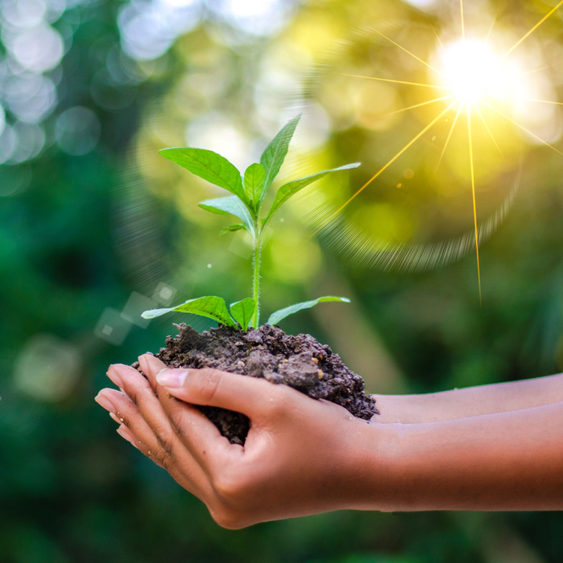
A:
x: 422, y: 3
x: 148, y: 29
x: 256, y: 18
x: 218, y: 131
x: 38, y: 49
x: 163, y: 293
x: 23, y: 13
x: 30, y: 97
x: 472, y: 70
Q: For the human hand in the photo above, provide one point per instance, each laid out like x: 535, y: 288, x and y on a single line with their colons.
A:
x: 301, y: 456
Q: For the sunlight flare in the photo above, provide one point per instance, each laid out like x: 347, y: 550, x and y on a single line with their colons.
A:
x: 472, y: 73
x: 472, y: 70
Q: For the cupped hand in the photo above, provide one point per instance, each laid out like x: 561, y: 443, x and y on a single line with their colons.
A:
x: 301, y: 455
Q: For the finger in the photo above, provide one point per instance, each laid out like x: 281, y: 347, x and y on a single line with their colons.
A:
x: 128, y: 436
x: 181, y: 465
x: 172, y: 453
x: 151, y: 365
x: 218, y: 389
x: 126, y: 413
x: 139, y: 390
x: 192, y: 427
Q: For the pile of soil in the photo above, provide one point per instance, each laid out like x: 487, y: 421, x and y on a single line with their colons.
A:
x: 268, y: 352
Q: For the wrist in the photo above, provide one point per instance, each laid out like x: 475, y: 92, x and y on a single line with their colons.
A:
x: 373, y: 466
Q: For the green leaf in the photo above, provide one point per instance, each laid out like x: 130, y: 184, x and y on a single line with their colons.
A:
x: 242, y: 311
x: 291, y: 188
x: 232, y: 228
x: 230, y: 204
x: 281, y: 314
x: 207, y: 165
x: 209, y: 306
x: 273, y: 156
x: 253, y: 182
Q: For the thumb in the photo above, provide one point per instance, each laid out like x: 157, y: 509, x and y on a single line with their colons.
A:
x: 217, y: 388
x: 151, y: 366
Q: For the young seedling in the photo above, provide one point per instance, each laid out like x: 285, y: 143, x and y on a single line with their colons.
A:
x: 249, y: 191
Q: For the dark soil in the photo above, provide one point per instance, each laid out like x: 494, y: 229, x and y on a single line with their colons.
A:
x: 298, y: 361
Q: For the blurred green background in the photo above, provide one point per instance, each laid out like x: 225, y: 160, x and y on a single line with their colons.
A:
x: 96, y: 226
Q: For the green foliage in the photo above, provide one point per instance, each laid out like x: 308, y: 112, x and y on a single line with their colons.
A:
x: 291, y: 188
x: 210, y: 306
x: 208, y: 165
x: 245, y: 204
x: 243, y: 311
x: 254, y: 177
x: 232, y: 205
x: 273, y: 156
x: 281, y: 314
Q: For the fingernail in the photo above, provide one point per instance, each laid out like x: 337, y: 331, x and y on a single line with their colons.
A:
x: 150, y: 364
x: 104, y: 402
x: 115, y: 418
x: 124, y: 433
x: 172, y: 377
x: 113, y: 374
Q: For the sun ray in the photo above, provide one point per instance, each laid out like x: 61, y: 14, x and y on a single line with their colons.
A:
x: 490, y: 31
x: 486, y: 125
x: 454, y: 122
x: 462, y: 17
x: 385, y: 166
x: 433, y: 101
x: 520, y: 126
x: 544, y: 101
x: 437, y: 37
x: 472, y: 172
x: 533, y: 28
x: 425, y: 63
x: 393, y: 81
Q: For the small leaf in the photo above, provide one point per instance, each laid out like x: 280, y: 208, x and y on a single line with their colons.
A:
x: 209, y: 306
x: 291, y: 188
x: 207, y: 165
x: 281, y: 314
x: 230, y: 204
x: 242, y: 311
x: 273, y: 156
x: 253, y: 182
x: 232, y: 228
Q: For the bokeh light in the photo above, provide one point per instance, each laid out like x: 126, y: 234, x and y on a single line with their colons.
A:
x: 77, y: 130
x: 47, y: 368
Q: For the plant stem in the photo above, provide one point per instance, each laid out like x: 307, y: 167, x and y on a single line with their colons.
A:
x: 256, y: 264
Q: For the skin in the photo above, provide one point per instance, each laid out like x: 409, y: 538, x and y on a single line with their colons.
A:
x: 496, y: 447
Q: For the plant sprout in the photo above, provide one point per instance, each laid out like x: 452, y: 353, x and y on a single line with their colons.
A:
x: 249, y: 190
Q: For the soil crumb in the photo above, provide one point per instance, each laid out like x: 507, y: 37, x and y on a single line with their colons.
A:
x: 298, y: 361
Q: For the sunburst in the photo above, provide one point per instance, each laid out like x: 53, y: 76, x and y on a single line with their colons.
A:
x: 470, y: 75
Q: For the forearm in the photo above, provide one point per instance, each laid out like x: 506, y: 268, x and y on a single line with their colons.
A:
x: 503, y: 461
x: 471, y: 401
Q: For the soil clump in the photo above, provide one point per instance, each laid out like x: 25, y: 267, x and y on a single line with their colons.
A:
x: 298, y: 361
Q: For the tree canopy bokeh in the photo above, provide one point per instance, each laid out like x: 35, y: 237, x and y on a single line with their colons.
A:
x: 96, y: 227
